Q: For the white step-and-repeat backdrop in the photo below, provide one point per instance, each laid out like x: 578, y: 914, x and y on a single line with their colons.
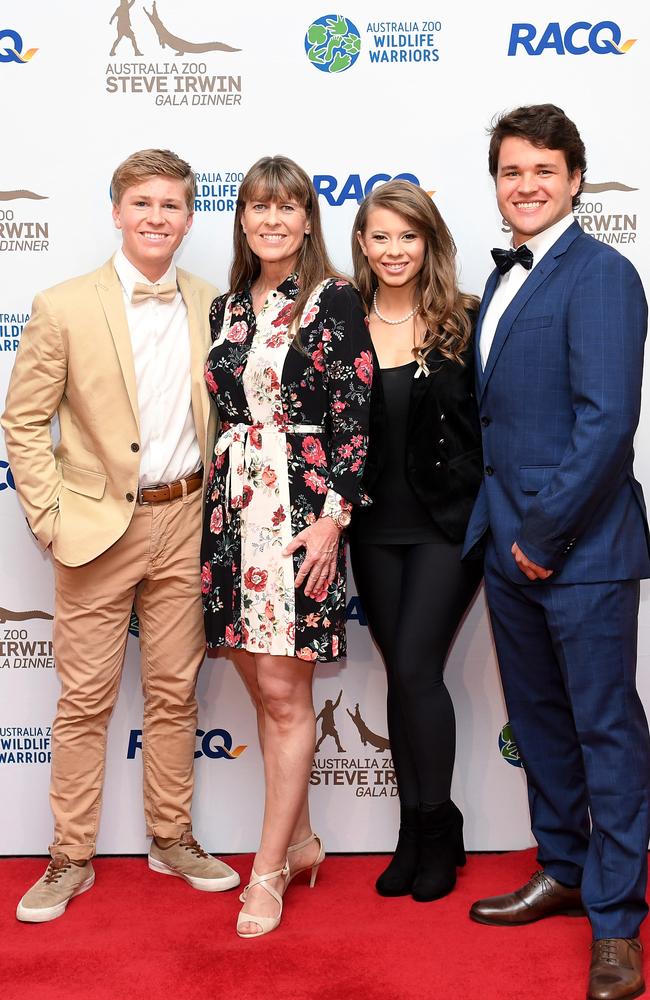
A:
x: 357, y: 95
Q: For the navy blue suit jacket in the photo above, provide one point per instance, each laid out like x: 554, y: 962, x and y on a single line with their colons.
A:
x: 559, y: 404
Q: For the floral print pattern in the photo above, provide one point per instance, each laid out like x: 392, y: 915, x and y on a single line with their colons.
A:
x: 291, y: 448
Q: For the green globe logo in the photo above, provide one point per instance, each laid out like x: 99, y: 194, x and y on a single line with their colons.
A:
x: 332, y: 43
x: 508, y: 748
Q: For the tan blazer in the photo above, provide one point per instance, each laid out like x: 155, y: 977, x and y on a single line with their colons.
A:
x: 75, y: 359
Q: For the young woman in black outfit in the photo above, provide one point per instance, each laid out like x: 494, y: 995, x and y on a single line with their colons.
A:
x: 423, y: 472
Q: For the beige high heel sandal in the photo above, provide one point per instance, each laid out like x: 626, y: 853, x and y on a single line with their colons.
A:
x: 267, y: 924
x: 314, y: 866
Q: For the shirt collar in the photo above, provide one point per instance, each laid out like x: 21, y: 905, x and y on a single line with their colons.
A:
x: 542, y: 242
x: 129, y: 274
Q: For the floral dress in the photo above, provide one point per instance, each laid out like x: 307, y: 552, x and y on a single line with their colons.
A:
x: 291, y: 448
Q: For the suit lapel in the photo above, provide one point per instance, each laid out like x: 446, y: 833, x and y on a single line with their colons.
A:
x: 536, y: 278
x: 490, y: 287
x: 198, y: 353
x: 110, y: 295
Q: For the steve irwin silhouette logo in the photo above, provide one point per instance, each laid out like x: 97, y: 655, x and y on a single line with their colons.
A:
x: 181, y: 82
x: 371, y: 776
x: 180, y: 46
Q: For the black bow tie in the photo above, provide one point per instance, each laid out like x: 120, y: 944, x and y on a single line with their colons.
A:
x: 505, y: 259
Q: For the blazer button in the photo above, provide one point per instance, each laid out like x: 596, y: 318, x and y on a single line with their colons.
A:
x: 485, y: 421
x: 489, y: 471
x: 442, y: 417
x: 130, y: 497
x: 438, y: 464
x: 135, y: 446
x: 441, y: 441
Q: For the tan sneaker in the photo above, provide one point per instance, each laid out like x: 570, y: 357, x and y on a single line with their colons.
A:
x: 189, y: 861
x: 48, y: 898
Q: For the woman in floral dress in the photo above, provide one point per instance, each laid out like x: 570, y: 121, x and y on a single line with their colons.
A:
x: 290, y: 373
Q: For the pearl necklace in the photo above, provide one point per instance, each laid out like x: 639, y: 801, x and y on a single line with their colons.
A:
x: 392, y: 322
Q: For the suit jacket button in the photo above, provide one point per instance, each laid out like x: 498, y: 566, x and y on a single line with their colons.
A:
x: 489, y: 471
x: 485, y: 421
x: 130, y: 497
x: 438, y: 464
x: 442, y: 417
x: 135, y: 446
x: 441, y: 441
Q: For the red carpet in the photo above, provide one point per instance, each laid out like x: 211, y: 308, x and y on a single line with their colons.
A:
x: 140, y: 935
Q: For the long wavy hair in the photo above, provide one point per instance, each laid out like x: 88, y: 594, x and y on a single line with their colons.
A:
x: 441, y: 304
x: 277, y: 178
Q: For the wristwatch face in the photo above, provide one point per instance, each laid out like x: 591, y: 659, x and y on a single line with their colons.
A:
x: 343, y: 519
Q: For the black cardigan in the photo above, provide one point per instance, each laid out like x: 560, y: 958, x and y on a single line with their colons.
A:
x: 443, y: 462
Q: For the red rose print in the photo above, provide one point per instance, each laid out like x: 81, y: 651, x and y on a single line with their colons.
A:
x: 278, y: 516
x: 306, y: 653
x: 255, y: 579
x: 314, y: 481
x: 363, y: 365
x: 219, y: 460
x: 255, y: 437
x: 210, y: 381
x: 284, y: 316
x: 312, y: 451
x: 291, y: 631
x: 345, y: 450
x: 338, y: 406
x: 206, y: 578
x: 269, y: 612
x: 247, y: 495
x: 269, y: 477
x: 216, y: 521
x: 318, y: 358
x: 237, y: 333
x: 310, y: 316
x: 231, y: 637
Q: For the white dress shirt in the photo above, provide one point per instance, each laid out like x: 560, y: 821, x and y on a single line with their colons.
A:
x: 510, y: 282
x: 160, y: 338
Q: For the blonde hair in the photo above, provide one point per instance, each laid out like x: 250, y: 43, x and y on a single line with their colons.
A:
x: 441, y: 304
x: 148, y: 163
x: 277, y: 178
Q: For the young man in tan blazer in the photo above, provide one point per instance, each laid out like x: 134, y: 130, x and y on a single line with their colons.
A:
x: 118, y: 354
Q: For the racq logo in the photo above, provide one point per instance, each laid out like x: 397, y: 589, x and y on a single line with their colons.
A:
x: 353, y: 188
x: 581, y: 37
x: 216, y: 744
x: 11, y: 48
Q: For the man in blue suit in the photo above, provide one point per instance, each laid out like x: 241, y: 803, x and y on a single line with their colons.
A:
x: 560, y: 357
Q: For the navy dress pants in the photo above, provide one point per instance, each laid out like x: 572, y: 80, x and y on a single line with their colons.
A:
x: 567, y: 657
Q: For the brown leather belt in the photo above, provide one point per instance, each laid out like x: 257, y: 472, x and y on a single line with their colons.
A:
x: 171, y: 491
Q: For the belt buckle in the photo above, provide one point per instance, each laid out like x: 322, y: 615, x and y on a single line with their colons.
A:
x: 141, y: 489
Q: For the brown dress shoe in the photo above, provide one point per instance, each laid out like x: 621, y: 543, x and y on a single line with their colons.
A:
x: 539, y: 898
x: 616, y: 969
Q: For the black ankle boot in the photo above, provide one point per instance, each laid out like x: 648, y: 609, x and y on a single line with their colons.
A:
x: 397, y: 879
x: 441, y: 851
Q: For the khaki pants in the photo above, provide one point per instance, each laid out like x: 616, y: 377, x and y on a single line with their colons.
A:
x: 156, y: 564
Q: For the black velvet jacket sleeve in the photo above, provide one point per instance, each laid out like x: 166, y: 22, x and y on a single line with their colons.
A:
x: 443, y: 461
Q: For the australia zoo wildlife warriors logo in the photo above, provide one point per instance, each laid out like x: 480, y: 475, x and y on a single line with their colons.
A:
x: 179, y: 81
x: 357, y: 769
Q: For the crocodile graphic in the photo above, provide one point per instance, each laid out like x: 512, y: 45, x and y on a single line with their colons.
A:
x: 367, y: 735
x: 606, y: 186
x: 15, y: 195
x: 23, y: 616
x: 165, y: 37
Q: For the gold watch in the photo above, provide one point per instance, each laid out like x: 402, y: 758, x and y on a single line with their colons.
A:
x: 342, y: 519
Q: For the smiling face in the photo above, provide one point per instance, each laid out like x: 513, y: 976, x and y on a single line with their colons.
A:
x: 534, y: 187
x: 395, y: 250
x: 275, y: 230
x: 153, y: 217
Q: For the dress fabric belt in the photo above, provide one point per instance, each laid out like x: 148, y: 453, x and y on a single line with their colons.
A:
x: 235, y: 438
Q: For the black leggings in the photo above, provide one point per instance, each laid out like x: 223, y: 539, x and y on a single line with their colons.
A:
x: 414, y: 597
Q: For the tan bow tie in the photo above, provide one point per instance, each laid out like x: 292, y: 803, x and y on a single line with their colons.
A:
x: 142, y: 292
